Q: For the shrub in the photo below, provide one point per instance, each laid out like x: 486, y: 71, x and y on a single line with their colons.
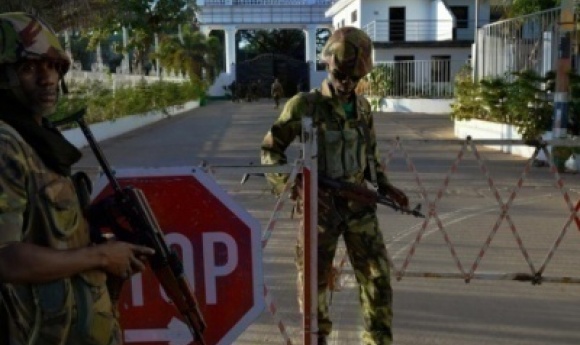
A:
x: 103, y: 104
x: 524, y: 102
x: 529, y: 106
x: 466, y: 93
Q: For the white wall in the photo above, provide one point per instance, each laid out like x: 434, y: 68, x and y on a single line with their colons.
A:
x: 484, y: 11
x: 345, y: 14
x: 374, y: 10
x: 444, y: 26
x: 415, y: 105
x: 421, y: 53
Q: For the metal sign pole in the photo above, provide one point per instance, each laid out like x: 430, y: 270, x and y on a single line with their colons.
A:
x: 310, y: 223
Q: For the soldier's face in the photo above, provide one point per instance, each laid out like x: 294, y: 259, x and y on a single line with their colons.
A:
x: 38, y: 85
x: 343, y: 82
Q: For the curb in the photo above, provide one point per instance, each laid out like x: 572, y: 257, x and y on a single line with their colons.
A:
x: 111, y: 129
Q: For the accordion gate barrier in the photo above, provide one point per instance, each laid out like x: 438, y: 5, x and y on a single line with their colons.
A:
x: 465, y: 270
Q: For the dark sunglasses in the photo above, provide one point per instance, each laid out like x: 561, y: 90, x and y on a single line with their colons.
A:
x: 342, y: 77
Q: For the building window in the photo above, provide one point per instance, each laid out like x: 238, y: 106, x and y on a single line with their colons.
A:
x: 440, y: 68
x: 403, y: 74
x: 461, y: 14
x: 353, y: 17
x: 342, y: 23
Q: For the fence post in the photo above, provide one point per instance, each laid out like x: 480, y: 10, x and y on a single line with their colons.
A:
x: 310, y: 187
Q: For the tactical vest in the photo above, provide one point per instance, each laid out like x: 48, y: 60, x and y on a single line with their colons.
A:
x: 343, y: 145
x: 74, y: 310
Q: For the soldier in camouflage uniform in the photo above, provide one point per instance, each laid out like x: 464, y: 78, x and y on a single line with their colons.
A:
x: 277, y: 91
x: 52, y: 278
x: 347, y: 151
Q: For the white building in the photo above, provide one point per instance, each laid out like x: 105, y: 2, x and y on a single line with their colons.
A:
x: 432, y: 39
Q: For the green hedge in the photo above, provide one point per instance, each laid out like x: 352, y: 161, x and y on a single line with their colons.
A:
x: 104, y: 104
x: 522, y: 99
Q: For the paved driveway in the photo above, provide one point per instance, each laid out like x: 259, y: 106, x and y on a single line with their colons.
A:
x: 465, y: 216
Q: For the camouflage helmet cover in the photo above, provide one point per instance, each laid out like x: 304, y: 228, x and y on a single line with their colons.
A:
x: 23, y: 36
x: 349, y: 49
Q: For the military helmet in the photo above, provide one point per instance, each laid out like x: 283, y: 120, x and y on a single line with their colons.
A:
x: 23, y: 36
x: 349, y: 49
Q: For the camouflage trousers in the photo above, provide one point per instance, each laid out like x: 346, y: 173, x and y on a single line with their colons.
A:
x: 368, y: 257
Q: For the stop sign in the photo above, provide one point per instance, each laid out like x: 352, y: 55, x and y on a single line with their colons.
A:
x: 219, y: 243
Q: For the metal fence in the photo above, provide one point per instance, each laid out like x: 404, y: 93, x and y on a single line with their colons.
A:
x: 412, y: 79
x: 281, y: 14
x: 264, y: 2
x: 420, y: 30
x: 525, y: 43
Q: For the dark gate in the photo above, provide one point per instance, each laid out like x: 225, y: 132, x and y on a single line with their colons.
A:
x: 291, y: 72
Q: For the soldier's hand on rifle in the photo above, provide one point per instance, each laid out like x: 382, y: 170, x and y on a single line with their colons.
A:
x: 396, y: 194
x: 123, y: 259
x: 296, y: 192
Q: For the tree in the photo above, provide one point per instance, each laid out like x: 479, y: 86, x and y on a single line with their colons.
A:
x: 144, y: 19
x: 62, y: 14
x: 192, y: 54
x: 287, y: 42
x: 518, y: 8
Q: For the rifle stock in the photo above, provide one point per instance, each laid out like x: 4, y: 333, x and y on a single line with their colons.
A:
x: 132, y: 206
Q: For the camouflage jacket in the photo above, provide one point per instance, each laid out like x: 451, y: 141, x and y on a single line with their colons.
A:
x: 344, y: 145
x: 277, y: 90
x: 41, y: 207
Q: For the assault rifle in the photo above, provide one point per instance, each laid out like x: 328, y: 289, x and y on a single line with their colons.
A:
x: 129, y: 206
x: 349, y: 190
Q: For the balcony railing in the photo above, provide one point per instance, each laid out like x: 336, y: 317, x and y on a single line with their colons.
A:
x: 420, y: 30
x: 412, y: 79
x: 287, y: 14
x: 264, y: 2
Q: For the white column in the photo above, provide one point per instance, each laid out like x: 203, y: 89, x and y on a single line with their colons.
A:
x: 230, y: 43
x: 125, y: 63
x: 310, y: 44
x: 157, y: 66
x: 99, y: 58
x: 67, y: 44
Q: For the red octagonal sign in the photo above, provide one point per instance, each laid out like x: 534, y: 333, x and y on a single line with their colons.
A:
x: 219, y: 243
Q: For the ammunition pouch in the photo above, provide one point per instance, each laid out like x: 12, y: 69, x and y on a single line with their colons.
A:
x: 83, y: 188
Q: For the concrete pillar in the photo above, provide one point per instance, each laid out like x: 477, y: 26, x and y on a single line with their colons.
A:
x: 310, y: 37
x: 99, y: 63
x: 67, y: 44
x: 126, y: 62
x: 157, y: 66
x: 230, y: 47
x: 310, y: 49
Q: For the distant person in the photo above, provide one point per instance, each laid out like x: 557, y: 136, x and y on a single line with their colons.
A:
x: 299, y: 86
x: 252, y: 91
x: 277, y: 92
x: 239, y: 90
x: 259, y: 89
x: 233, y: 87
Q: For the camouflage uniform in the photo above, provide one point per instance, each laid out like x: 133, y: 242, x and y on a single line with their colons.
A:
x: 40, y: 206
x: 347, y: 150
x: 277, y: 92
